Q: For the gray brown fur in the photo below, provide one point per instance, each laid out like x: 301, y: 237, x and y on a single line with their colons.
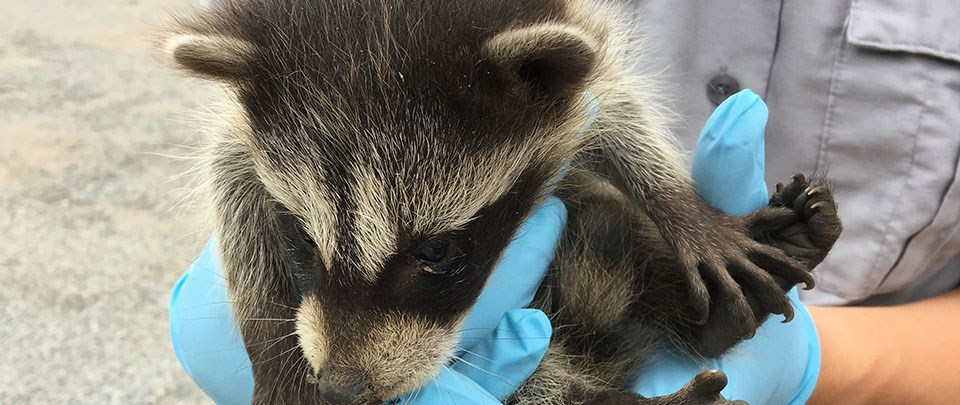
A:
x: 364, y: 132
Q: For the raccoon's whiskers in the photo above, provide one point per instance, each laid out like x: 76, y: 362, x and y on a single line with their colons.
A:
x: 240, y: 320
x: 273, y: 342
x: 285, y: 352
x: 290, y: 372
x: 279, y: 320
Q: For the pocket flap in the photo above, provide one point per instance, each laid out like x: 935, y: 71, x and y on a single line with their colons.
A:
x: 927, y: 27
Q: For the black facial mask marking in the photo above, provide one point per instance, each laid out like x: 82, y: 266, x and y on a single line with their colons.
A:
x: 301, y: 251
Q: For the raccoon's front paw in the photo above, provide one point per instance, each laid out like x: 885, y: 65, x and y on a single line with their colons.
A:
x: 704, y: 389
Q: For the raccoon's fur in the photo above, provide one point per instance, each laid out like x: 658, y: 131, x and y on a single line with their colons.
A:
x: 383, y: 153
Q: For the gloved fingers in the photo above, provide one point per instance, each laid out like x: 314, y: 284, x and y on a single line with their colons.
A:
x: 519, y: 273
x: 204, y: 335
x: 450, y: 387
x: 728, y: 162
x: 502, y: 362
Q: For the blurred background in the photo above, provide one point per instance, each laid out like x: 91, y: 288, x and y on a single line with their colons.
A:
x: 92, y: 237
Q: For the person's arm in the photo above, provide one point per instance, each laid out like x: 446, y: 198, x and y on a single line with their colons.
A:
x: 905, y: 354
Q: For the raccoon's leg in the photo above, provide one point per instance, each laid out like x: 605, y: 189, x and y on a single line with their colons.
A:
x: 262, y: 299
x: 593, y: 295
x: 629, y: 147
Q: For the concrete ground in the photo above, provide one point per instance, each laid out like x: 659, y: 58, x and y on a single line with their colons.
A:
x: 91, y: 236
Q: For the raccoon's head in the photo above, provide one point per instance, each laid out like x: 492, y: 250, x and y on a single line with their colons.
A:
x: 400, y: 162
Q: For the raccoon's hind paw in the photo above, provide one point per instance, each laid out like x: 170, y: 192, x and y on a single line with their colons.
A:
x: 704, y: 389
x: 732, y: 281
x: 802, y: 221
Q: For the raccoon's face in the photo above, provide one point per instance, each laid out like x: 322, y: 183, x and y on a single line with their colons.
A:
x: 390, y: 240
x: 406, y: 253
x: 397, y: 184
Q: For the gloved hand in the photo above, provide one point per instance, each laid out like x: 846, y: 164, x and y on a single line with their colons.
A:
x: 781, y: 363
x: 502, y: 344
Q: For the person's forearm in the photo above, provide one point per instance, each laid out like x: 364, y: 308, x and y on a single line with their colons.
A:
x: 898, y: 355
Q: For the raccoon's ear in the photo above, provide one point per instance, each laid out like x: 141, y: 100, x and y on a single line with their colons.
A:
x: 210, y: 56
x: 549, y: 60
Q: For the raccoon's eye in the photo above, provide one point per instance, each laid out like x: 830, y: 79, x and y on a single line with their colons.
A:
x: 434, y: 251
x: 440, y: 255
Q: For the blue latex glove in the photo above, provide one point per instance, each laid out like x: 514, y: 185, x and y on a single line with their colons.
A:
x: 781, y: 363
x: 503, y: 344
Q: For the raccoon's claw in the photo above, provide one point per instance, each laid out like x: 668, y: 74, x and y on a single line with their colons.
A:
x: 815, y: 190
x: 824, y: 208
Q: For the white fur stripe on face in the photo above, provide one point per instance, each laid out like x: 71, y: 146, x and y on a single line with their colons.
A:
x: 310, y: 328
x: 452, y: 196
x: 398, y: 353
x: 374, y: 225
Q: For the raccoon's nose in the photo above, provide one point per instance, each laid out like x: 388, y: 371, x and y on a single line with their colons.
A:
x: 343, y: 392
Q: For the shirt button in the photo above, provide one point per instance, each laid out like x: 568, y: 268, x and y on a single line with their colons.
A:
x: 721, y: 87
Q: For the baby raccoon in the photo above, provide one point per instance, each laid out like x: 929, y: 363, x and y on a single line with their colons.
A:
x: 383, y: 154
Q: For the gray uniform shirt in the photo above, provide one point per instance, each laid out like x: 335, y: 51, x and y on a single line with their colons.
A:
x: 866, y: 89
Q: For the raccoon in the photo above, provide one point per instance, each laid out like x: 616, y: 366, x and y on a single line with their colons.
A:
x: 380, y: 154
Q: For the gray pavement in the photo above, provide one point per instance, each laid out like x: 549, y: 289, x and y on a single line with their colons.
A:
x: 91, y: 235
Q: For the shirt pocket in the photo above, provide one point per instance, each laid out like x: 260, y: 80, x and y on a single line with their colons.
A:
x: 892, y: 139
x: 922, y: 27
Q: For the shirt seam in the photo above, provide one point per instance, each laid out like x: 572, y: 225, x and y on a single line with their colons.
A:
x: 886, y: 239
x: 907, y: 48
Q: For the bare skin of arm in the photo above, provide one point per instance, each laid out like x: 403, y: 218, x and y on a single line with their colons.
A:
x: 906, y: 354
